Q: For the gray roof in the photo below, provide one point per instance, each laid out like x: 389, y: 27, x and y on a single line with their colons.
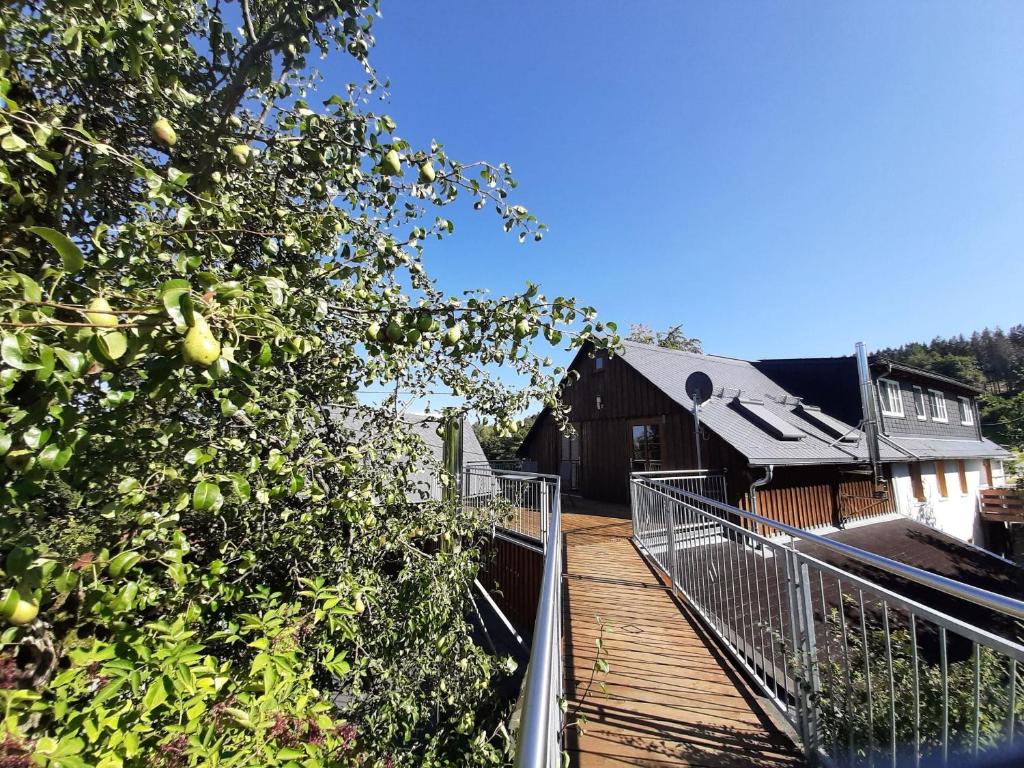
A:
x: 939, y: 448
x: 732, y: 379
x: 425, y: 427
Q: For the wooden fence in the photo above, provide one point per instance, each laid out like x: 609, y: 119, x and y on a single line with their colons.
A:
x: 827, y: 504
x: 1002, y: 505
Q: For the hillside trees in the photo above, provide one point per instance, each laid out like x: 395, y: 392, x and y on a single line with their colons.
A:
x: 202, y: 258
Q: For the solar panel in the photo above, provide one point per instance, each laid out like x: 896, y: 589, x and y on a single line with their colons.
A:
x: 768, y: 421
x: 834, y: 427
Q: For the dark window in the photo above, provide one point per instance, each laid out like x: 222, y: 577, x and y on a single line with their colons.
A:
x: 646, y: 447
x: 916, y: 483
x: 940, y: 478
x: 599, y: 363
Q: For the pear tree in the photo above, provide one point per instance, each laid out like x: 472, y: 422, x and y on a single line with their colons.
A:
x: 213, y: 551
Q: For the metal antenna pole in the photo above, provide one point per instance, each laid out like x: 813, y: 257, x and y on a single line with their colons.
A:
x: 696, y: 433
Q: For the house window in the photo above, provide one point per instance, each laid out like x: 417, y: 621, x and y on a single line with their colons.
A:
x: 920, y: 404
x: 645, y: 446
x: 940, y: 478
x: 961, y: 469
x: 916, y: 483
x: 892, y: 401
x: 966, y: 412
x: 938, y: 406
x: 598, y: 363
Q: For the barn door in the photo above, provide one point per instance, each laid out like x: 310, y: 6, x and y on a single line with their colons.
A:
x: 569, y: 465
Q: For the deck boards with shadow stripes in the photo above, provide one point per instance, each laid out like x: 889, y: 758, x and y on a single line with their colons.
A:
x: 669, y: 697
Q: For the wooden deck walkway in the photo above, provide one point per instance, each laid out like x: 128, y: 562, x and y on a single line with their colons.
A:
x: 671, y: 698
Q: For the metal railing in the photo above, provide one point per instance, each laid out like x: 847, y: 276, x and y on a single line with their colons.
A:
x: 867, y: 674
x: 702, y: 482
x: 528, y: 505
x: 514, y: 502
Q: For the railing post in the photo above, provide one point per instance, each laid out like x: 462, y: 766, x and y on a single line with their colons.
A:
x: 670, y: 539
x: 545, y: 511
x: 811, y: 685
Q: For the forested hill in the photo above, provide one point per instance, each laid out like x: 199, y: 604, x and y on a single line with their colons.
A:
x: 992, y: 359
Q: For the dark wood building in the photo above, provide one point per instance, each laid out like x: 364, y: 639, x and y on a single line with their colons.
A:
x: 631, y: 413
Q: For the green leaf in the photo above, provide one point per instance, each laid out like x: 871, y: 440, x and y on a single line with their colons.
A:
x: 156, y: 694
x: 12, y: 354
x: 69, y: 253
x: 240, y: 486
x: 112, y: 344
x: 172, y: 294
x: 46, y: 165
x: 53, y: 457
x: 206, y: 496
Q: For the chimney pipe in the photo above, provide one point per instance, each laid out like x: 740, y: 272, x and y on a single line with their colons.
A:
x: 870, y: 419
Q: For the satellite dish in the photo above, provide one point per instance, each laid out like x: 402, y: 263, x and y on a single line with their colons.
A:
x: 698, y: 387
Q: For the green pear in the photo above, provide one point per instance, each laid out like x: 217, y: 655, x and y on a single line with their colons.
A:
x: 522, y: 329
x: 200, y: 347
x: 240, y: 154
x: 394, y: 332
x: 453, y: 334
x: 164, y: 132
x: 19, y: 607
x: 373, y: 331
x: 424, y: 322
x: 392, y: 163
x: 427, y: 173
x: 100, y: 314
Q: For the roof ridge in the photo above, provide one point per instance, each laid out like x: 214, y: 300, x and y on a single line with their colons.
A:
x: 668, y: 350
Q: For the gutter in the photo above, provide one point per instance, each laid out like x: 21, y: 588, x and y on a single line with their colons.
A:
x: 769, y: 472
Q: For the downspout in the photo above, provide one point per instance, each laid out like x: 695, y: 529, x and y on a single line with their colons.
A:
x: 769, y: 471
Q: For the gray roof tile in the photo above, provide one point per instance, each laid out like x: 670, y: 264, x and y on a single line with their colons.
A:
x: 668, y: 369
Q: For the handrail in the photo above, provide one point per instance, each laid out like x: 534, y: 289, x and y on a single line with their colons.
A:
x: 993, y: 600
x: 674, y: 473
x: 538, y: 495
x: 538, y: 739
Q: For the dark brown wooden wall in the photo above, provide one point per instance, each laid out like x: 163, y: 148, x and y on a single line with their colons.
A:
x: 605, y: 453
x: 811, y: 497
x: 512, y: 574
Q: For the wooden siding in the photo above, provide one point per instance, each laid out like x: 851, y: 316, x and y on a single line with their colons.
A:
x: 512, y: 574
x: 817, y: 497
x: 627, y: 399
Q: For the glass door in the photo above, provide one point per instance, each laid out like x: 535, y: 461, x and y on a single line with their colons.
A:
x: 645, y: 447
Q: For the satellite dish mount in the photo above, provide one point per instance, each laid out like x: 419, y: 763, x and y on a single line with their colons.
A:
x: 698, y: 389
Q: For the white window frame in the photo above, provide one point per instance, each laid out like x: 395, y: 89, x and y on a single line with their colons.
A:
x: 939, y: 412
x: 966, y: 411
x: 888, y: 392
x: 920, y: 403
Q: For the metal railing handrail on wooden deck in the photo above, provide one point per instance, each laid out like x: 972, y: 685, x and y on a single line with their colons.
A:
x: 502, y: 494
x: 831, y: 649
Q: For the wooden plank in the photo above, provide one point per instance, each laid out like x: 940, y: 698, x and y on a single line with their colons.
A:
x: 668, y: 698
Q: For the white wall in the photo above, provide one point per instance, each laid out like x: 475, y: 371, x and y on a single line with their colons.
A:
x: 957, y: 514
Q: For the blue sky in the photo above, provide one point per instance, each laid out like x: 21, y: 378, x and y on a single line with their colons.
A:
x: 782, y: 178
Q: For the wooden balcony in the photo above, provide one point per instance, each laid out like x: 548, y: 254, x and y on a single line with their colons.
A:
x: 1002, y: 505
